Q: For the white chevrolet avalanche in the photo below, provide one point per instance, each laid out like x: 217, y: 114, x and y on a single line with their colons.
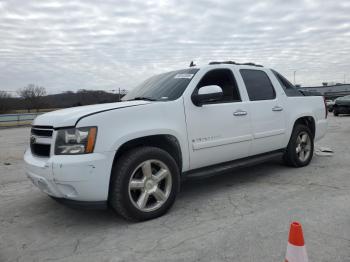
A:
x: 194, y: 122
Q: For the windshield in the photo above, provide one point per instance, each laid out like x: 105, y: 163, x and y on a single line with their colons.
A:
x: 163, y: 87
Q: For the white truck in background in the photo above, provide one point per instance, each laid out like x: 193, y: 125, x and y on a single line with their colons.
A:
x: 193, y: 122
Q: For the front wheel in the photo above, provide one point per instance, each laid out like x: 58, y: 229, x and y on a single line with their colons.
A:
x: 300, y: 147
x: 144, y: 183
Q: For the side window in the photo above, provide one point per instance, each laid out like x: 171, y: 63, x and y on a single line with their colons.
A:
x: 288, y: 88
x: 225, y: 79
x: 258, y: 84
x: 283, y: 82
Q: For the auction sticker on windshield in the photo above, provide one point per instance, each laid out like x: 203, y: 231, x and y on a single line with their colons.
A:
x: 188, y: 76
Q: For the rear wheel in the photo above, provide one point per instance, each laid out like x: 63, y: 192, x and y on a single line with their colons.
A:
x: 144, y: 183
x: 300, y: 147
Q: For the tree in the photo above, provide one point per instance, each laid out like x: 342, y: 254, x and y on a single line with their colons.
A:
x: 32, y: 96
x: 4, y: 101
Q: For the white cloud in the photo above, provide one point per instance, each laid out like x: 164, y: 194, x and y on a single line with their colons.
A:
x: 67, y: 45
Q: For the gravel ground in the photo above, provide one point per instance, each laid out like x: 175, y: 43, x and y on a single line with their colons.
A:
x: 242, y: 216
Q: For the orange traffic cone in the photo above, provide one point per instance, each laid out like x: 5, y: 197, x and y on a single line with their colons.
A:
x: 296, y: 251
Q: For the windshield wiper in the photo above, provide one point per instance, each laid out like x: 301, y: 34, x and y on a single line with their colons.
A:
x: 143, y: 98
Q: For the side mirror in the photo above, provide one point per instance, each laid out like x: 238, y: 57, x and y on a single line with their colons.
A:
x: 207, y: 94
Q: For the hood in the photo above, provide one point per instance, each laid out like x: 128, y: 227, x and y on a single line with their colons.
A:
x: 70, y: 116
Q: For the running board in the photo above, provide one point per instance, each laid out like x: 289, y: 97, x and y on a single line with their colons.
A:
x: 229, y: 166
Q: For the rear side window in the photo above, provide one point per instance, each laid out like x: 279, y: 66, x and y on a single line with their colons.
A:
x: 258, y: 84
x: 288, y: 88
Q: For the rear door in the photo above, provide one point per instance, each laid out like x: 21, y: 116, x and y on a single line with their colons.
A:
x: 267, y: 111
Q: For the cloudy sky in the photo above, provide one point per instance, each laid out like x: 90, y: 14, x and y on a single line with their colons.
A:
x: 69, y: 45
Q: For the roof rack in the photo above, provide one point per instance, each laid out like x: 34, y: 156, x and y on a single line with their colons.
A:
x: 233, y: 63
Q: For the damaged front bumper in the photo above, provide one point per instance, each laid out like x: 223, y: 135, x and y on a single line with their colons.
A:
x: 72, y: 177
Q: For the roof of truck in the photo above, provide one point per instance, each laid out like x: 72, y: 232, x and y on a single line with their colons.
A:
x: 234, y: 63
x: 222, y: 63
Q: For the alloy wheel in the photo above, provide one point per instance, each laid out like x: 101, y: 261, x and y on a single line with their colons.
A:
x: 303, y: 146
x: 150, y: 185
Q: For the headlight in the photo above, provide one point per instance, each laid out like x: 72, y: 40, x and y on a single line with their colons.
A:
x: 74, y: 141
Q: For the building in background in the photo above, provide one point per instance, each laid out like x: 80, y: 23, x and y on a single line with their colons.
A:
x: 330, y: 91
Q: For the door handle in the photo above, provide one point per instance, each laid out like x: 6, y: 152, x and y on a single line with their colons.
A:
x: 240, y: 113
x: 277, y: 108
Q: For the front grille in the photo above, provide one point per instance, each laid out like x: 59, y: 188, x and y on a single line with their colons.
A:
x: 40, y: 140
x: 42, y: 132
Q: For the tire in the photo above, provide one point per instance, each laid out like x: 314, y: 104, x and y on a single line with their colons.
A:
x: 297, y: 143
x: 134, y: 188
x: 335, y: 112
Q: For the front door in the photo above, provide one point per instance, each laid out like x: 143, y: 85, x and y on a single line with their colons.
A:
x: 218, y: 131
